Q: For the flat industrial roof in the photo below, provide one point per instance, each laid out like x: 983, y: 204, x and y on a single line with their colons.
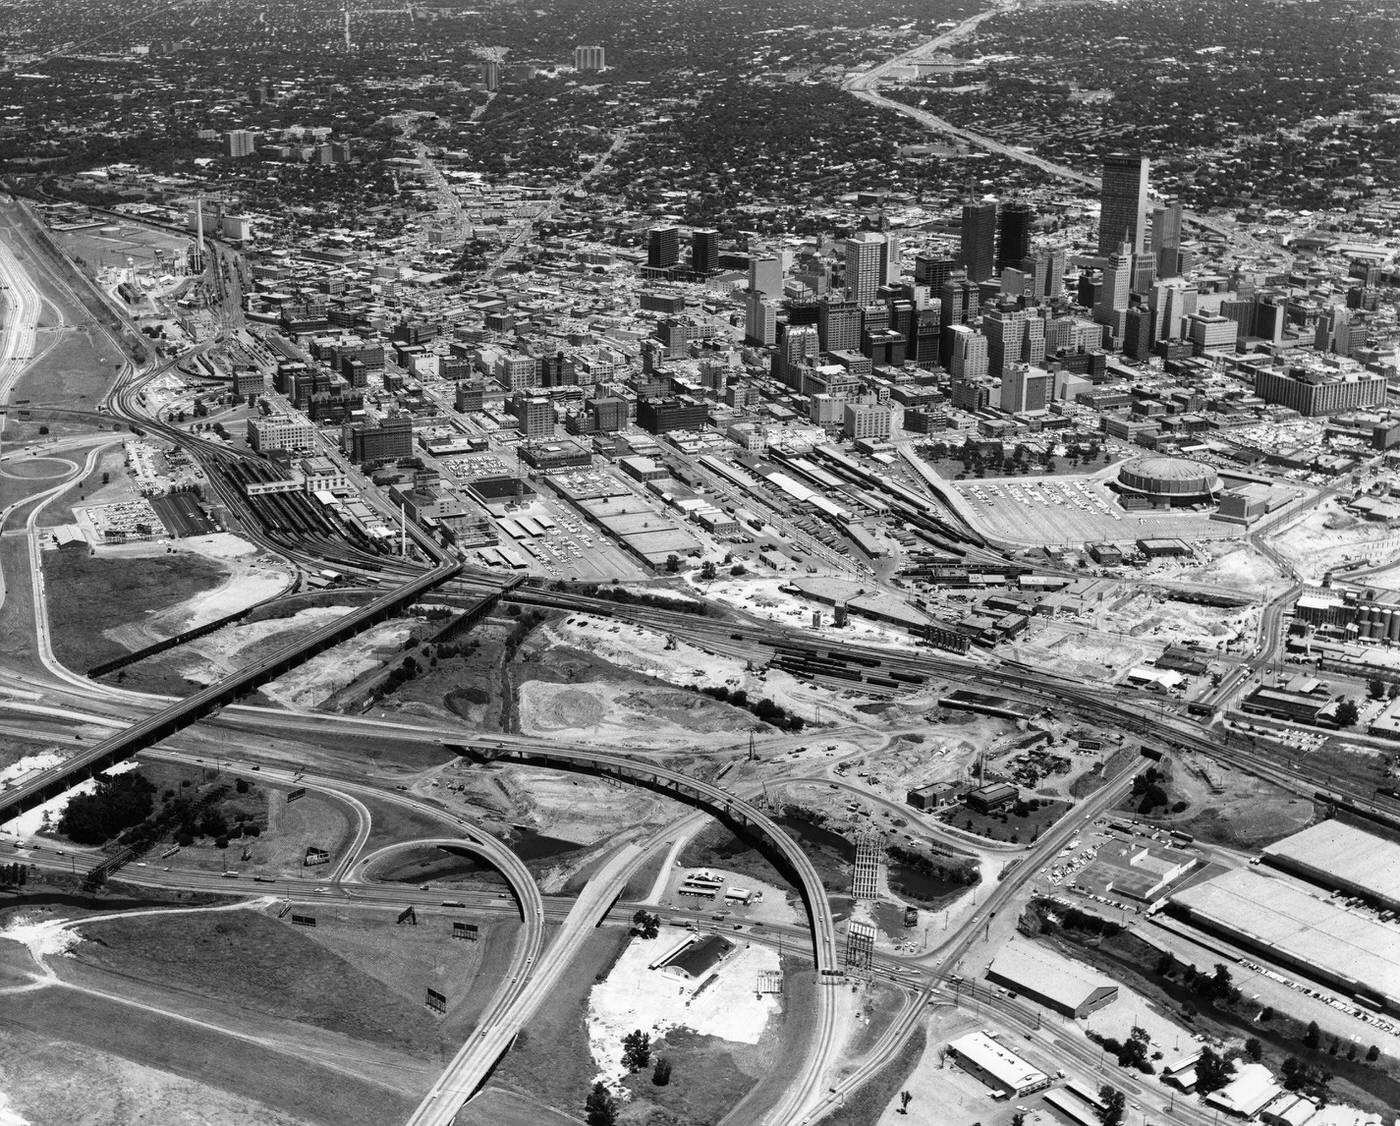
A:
x: 1352, y: 855
x: 1303, y: 923
x: 1002, y: 1064
x: 1059, y: 979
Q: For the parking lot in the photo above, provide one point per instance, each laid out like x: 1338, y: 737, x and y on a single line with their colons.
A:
x: 1072, y: 510
x: 552, y: 539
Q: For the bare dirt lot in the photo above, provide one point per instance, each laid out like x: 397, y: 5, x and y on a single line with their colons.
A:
x: 1227, y: 806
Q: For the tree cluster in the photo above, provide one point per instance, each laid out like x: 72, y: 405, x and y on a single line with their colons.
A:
x: 13, y: 875
x: 775, y: 715
x: 119, y: 802
x: 953, y: 870
x: 636, y: 1050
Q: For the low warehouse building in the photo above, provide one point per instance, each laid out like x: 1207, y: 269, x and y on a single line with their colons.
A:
x: 1053, y: 982
x: 997, y: 1066
x: 696, y: 959
x: 1336, y: 855
x: 1296, y: 925
x: 991, y: 797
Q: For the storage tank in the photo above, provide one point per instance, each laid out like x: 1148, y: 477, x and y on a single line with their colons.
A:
x: 1393, y: 629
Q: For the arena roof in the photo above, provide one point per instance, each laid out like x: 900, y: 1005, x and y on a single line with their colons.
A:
x: 1352, y: 857
x: 1303, y: 924
x: 1169, y: 468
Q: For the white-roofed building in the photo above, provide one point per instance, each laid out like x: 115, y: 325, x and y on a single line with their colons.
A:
x: 996, y: 1065
x: 1250, y: 1091
x: 1057, y: 983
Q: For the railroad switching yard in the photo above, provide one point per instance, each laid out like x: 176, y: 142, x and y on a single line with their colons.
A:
x: 505, y: 656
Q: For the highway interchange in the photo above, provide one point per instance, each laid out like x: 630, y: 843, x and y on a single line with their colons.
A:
x: 240, y: 738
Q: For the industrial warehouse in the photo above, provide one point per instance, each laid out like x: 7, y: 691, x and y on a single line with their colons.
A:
x: 997, y: 1066
x: 1329, y: 938
x: 1340, y: 856
x: 1057, y: 984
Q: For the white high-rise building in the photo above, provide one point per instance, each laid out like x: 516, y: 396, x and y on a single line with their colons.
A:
x: 866, y: 255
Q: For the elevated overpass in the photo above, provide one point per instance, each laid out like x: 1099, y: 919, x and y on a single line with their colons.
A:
x: 714, y: 799
x: 504, y: 1021
x: 182, y: 713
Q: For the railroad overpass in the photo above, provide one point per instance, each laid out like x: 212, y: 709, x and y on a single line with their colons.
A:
x: 712, y: 798
x: 183, y: 713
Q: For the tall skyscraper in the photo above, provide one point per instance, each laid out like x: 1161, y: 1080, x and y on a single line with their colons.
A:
x: 588, y: 58
x: 1005, y: 330
x: 838, y: 325
x: 1166, y: 225
x: 1123, y: 203
x: 760, y: 319
x: 1014, y: 233
x: 1137, y: 333
x: 704, y: 250
x: 969, y: 354
x: 766, y: 275
x: 1171, y: 302
x: 977, y: 253
x: 490, y: 74
x: 1166, y: 239
x: 890, y: 264
x: 866, y: 256
x: 1112, y: 306
x: 1047, y: 273
x: 933, y: 270
x: 663, y: 247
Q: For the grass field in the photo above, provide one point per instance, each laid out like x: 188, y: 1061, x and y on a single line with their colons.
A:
x: 438, y: 866
x: 26, y: 478
x: 88, y: 594
x: 41, y: 1081
x: 497, y: 1106
x: 17, y: 611
x: 551, y: 1060
x: 407, y: 959
x: 297, y: 1088
x: 708, y: 1079
x: 263, y: 966
x: 392, y: 823
x: 74, y: 369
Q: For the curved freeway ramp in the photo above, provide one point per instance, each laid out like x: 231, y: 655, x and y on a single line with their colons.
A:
x: 471, y: 1065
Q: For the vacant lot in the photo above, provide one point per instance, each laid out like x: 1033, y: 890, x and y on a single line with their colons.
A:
x: 263, y: 966
x: 17, y: 611
x: 89, y: 594
x: 74, y: 368
x: 40, y: 1078
x: 708, y: 1079
x: 193, y: 1054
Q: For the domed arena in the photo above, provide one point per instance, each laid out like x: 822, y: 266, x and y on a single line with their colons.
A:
x: 1167, y: 482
